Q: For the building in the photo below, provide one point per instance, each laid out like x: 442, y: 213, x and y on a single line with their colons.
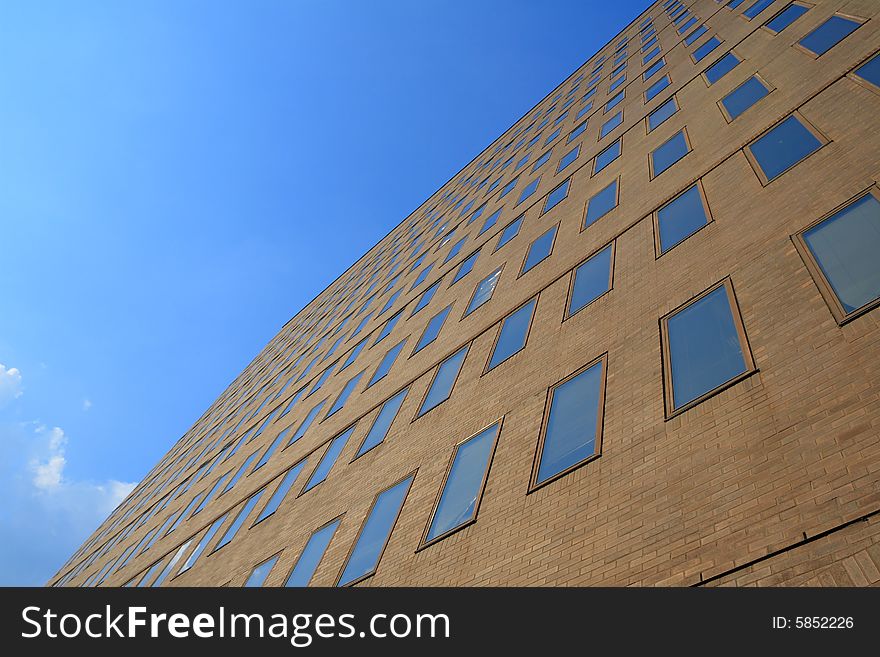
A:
x: 634, y: 342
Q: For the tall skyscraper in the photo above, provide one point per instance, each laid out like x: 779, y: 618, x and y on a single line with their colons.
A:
x: 634, y: 342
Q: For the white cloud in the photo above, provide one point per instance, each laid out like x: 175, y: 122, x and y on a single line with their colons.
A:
x: 10, y: 384
x: 87, y: 404
x: 49, y: 470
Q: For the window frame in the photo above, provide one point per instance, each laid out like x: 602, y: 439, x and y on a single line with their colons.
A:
x: 522, y: 271
x: 655, y: 218
x: 672, y: 98
x: 423, y: 541
x: 855, y: 77
x: 823, y: 142
x: 690, y: 148
x: 751, y: 368
x: 720, y: 102
x: 803, y: 49
x: 571, y: 276
x: 293, y: 565
x: 467, y: 310
x: 805, y: 5
x: 705, y: 77
x: 357, y: 453
x: 500, y: 324
x: 815, y: 270
x: 600, y: 421
x: 435, y: 370
x: 619, y: 141
x: 616, y: 182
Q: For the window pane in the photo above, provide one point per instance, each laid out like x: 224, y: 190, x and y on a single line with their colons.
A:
x: 364, y: 557
x: 568, y: 158
x: 616, y: 84
x: 553, y: 135
x: 311, y: 555
x: 490, y: 221
x: 465, y: 267
x: 192, y: 558
x: 541, y: 160
x: 669, y: 153
x: 783, y: 147
x: 680, y: 218
x: 610, y: 124
x: 786, y: 17
x: 344, y: 395
x: 591, y: 280
x: 653, y: 68
x: 828, y: 34
x: 651, y: 55
x: 539, y: 249
x: 607, y: 156
x: 389, y: 326
x: 870, y: 71
x: 463, y: 486
x: 511, y: 231
x: 171, y: 563
x: 704, y: 347
x: 382, y: 423
x: 456, y: 248
x: 706, y: 48
x: 352, y: 355
x: 696, y: 34
x: 239, y: 519
x: 757, y: 8
x: 508, y: 187
x: 484, y: 291
x: 330, y: 455
x: 721, y: 68
x: 656, y: 88
x: 570, y: 436
x: 260, y: 573
x: 441, y: 386
x: 432, y: 330
x: 846, y: 248
x: 514, y: 331
x: 281, y: 492
x: 556, y: 196
x: 601, y: 204
x: 529, y: 190
x: 662, y: 113
x: 578, y: 130
x: 426, y: 297
x: 744, y: 96
x: 611, y: 104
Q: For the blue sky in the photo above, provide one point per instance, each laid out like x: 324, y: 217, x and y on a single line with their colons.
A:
x: 178, y: 178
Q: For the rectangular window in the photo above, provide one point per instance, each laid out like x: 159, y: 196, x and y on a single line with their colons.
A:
x: 687, y: 25
x: 785, y: 17
x: 656, y: 88
x: 539, y: 250
x: 607, y: 156
x: 306, y: 423
x: 529, y: 190
x: 704, y: 348
x: 611, y: 104
x: 331, y: 454
x: 556, y: 196
x: 386, y: 363
x: 616, y: 84
x: 651, y: 55
x: 512, y: 335
x: 653, y: 68
x: 721, y: 68
x: 828, y: 35
x: 382, y: 424
x: 581, y: 112
x: 443, y: 382
x: 591, y: 280
x: 662, y: 113
x: 280, y: 493
x: 576, y: 132
x: 841, y: 253
x: 568, y: 158
x: 363, y: 560
x: 465, y: 267
x: 508, y: 187
x: 311, y: 556
x: 490, y: 221
x: 553, y: 136
x: 782, y: 147
x: 345, y: 394
x: 432, y: 330
x: 483, y: 291
x: 680, y: 218
x: 426, y: 297
x: 870, y: 71
x: 743, y: 97
x: 463, y: 485
x: 571, y: 434
x: 601, y: 204
x: 704, y: 50
x: 756, y: 8
x: 260, y: 573
x: 610, y: 124
x: 388, y: 327
x: 669, y: 152
x: 509, y: 232
x: 696, y: 34
x: 352, y: 355
x: 239, y: 519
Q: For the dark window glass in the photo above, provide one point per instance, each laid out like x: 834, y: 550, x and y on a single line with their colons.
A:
x: 444, y: 380
x: 611, y: 104
x: 328, y: 459
x: 465, y: 267
x: 572, y: 423
x: 669, y: 153
x: 846, y: 248
x: 432, y: 330
x: 512, y: 337
x: 607, y: 156
x: 592, y: 279
x: 529, y: 190
x: 696, y: 34
x: 870, y: 71
x: 783, y: 147
x: 662, y: 113
x: 426, y: 297
x: 281, y: 492
x: 757, y: 8
x: 651, y: 55
x: 721, y: 68
x: 656, y: 88
x: 239, y: 519
x: 568, y: 158
x: 511, y: 231
x: 260, y: 573
x: 556, y: 196
x: 387, y: 361
x: 704, y: 347
x: 601, y: 204
x: 311, y: 556
x: 610, y: 124
x: 382, y: 423
x: 706, y: 48
x: 681, y: 218
x: 744, y: 96
x: 828, y: 34
x: 464, y: 484
x: 578, y: 130
x: 345, y: 394
x: 375, y: 532
x: 786, y: 17
x: 539, y: 249
x: 653, y: 68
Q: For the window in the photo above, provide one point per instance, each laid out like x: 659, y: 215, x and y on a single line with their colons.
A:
x: 828, y: 35
x: 426, y: 297
x: 394, y: 296
x: 870, y: 71
x: 572, y: 431
x: 454, y: 250
x: 419, y: 280
x: 529, y: 190
x: 386, y: 363
x: 241, y: 471
x: 841, y: 254
x: 321, y: 380
x: 463, y: 485
x: 696, y: 34
x: 782, y: 147
x: 756, y: 8
x: 539, y: 249
x: 432, y: 330
x: 444, y: 380
x: 513, y: 333
x: 662, y: 113
x: 613, y: 102
x: 556, y: 196
x: 577, y: 131
x: 345, y: 394
x: 615, y: 85
x: 785, y: 17
x: 721, y: 68
x: 306, y: 423
x: 704, y: 348
x: 706, y: 48
x: 591, y: 280
x: 509, y: 232
x: 687, y: 25
x: 522, y: 161
x: 329, y: 459
x: 559, y: 119
x: 239, y: 519
x: 260, y: 573
x: 610, y: 124
x: 280, y: 493
x: 381, y: 425
x: 607, y: 156
x: 681, y: 217
x: 651, y: 55
x: 508, y: 187
x: 490, y: 221
x: 553, y: 136
x: 601, y: 204
x: 656, y: 88
x: 476, y: 215
x: 568, y: 158
x: 581, y: 112
x: 363, y: 560
x: 210, y: 495
x: 653, y: 68
x: 465, y: 267
x: 352, y: 355
x: 650, y: 42
x: 311, y: 556
x: 388, y: 327
x: 668, y: 153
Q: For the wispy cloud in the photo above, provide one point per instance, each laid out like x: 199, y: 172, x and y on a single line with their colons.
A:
x: 10, y: 384
x: 87, y: 404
